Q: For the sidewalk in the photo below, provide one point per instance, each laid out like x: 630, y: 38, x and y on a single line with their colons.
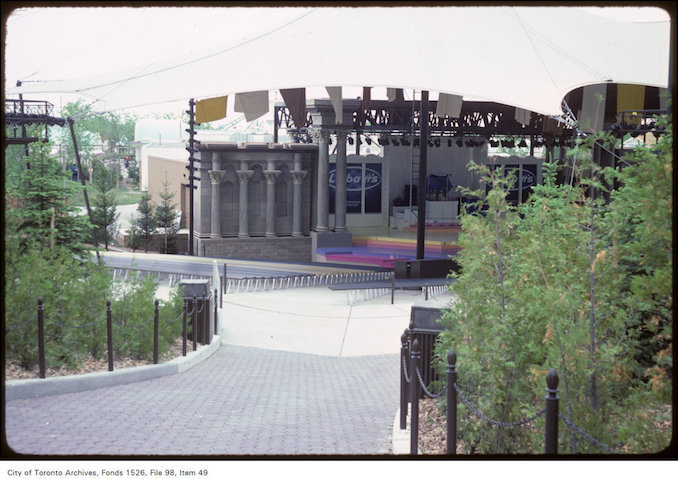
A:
x: 299, y: 372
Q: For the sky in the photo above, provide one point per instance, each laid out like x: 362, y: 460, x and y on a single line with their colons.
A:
x: 62, y: 42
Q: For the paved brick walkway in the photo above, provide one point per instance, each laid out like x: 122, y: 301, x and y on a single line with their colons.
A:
x: 241, y: 401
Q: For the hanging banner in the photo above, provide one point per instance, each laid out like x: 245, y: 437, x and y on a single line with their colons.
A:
x: 211, y: 109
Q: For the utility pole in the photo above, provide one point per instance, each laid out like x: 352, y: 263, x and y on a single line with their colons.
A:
x: 84, y: 186
x: 192, y: 143
x: 421, y: 190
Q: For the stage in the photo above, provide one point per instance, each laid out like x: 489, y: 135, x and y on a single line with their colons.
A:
x: 383, y: 246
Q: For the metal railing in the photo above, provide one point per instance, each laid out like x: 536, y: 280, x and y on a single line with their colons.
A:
x: 271, y: 283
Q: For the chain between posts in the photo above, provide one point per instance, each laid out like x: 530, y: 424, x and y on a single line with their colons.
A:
x: 425, y: 389
x: 83, y: 326
x: 124, y: 325
x: 576, y: 429
x: 22, y: 325
x: 176, y: 320
x: 492, y: 421
x: 408, y: 378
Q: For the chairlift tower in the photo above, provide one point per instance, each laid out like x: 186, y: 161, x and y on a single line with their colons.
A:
x: 20, y: 113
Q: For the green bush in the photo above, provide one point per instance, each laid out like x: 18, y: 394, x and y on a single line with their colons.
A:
x: 579, y: 279
x: 74, y: 295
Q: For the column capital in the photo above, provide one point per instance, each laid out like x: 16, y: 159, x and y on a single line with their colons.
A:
x: 342, y: 135
x: 244, y: 175
x: 298, y: 176
x: 271, y: 176
x: 319, y: 135
x: 216, y: 176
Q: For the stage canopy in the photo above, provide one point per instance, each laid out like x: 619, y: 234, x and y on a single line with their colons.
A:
x: 527, y: 57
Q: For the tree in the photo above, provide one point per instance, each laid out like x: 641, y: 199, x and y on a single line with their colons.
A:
x: 104, y: 213
x: 40, y: 211
x: 642, y: 212
x: 580, y: 282
x: 165, y: 217
x: 145, y: 225
x: 92, y: 128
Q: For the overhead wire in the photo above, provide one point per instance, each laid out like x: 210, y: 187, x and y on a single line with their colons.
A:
x: 195, y: 60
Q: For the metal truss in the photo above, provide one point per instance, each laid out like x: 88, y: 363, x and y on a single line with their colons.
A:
x: 483, y: 119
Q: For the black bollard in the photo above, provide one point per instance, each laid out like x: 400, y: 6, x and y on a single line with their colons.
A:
x: 109, y: 334
x: 194, y: 326
x: 415, y: 360
x: 551, y: 416
x: 185, y: 330
x: 41, y: 338
x: 403, y: 379
x: 451, y: 402
x: 156, y: 318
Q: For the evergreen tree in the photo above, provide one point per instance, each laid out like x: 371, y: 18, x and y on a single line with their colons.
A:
x: 165, y: 216
x: 104, y: 213
x: 642, y: 210
x: 40, y: 211
x: 145, y: 223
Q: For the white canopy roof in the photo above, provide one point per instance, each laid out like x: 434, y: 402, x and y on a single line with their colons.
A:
x: 528, y: 57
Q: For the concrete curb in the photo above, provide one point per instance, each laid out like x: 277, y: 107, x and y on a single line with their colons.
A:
x: 34, y: 388
x: 400, y: 438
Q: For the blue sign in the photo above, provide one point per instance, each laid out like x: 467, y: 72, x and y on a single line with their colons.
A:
x: 354, y: 187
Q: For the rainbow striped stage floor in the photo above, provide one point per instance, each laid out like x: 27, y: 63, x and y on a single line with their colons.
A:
x: 387, y: 246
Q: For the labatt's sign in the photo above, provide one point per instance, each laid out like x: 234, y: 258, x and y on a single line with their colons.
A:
x: 354, y: 177
x: 529, y: 178
x: 355, y: 186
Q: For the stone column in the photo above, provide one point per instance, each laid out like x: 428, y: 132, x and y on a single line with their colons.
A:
x: 243, y: 226
x: 271, y: 177
x: 298, y: 178
x: 340, y: 184
x: 215, y: 178
x: 321, y: 137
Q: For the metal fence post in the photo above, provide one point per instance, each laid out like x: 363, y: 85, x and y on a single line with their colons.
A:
x: 392, y: 287
x: 156, y: 318
x: 185, y: 331
x: 551, y: 415
x: 194, y: 321
x: 403, y: 380
x: 109, y: 333
x: 41, y: 337
x: 451, y: 402
x: 215, y: 311
x: 415, y: 360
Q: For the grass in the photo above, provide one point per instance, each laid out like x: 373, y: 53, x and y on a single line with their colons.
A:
x: 127, y: 195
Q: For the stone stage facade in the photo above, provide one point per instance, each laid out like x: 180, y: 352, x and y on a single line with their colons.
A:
x: 254, y: 201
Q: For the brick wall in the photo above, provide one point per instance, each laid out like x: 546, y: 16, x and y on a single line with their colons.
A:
x: 258, y: 248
